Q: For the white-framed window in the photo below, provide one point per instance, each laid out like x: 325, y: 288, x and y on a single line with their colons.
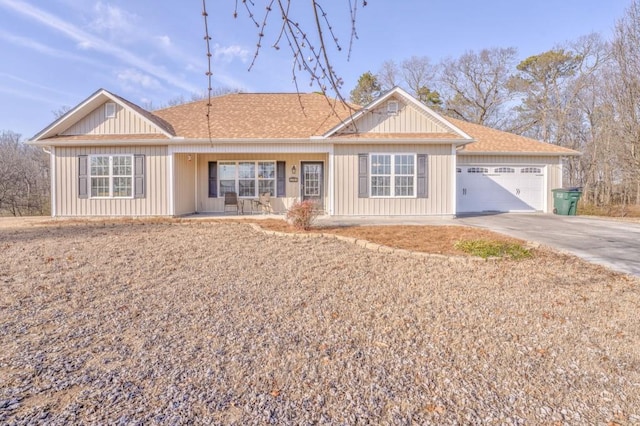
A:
x: 531, y: 170
x: 247, y: 178
x: 477, y: 170
x: 392, y: 108
x: 111, y: 176
x: 504, y: 170
x: 393, y: 175
x: 110, y: 110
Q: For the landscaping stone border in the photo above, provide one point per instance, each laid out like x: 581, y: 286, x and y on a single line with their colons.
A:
x: 366, y: 244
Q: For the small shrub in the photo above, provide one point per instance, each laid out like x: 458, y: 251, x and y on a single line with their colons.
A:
x: 303, y: 214
x: 485, y: 249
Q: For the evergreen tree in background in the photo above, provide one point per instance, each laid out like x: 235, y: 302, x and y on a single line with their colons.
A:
x: 367, y: 89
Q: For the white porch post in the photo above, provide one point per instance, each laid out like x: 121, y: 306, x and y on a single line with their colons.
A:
x: 195, y: 183
x: 52, y: 170
x: 561, y: 170
x: 454, y: 180
x: 171, y: 181
x: 331, y: 180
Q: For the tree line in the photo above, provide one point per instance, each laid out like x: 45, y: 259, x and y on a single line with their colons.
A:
x: 582, y: 94
x: 24, y: 177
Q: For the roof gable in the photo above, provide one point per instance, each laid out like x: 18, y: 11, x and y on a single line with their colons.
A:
x: 89, y: 119
x: 409, y: 118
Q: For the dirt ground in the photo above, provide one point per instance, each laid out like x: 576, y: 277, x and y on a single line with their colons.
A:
x: 422, y: 238
x: 158, y: 322
x: 427, y: 239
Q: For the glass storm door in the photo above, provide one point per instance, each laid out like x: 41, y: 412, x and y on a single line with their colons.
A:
x: 312, y: 182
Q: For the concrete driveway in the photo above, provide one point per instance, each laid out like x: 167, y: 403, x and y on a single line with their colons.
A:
x: 610, y: 243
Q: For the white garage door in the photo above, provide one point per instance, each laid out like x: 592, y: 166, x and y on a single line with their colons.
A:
x: 500, y: 188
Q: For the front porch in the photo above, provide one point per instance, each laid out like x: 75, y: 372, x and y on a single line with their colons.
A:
x: 200, y: 181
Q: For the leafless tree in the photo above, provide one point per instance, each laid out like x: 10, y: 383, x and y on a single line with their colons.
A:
x: 388, y: 75
x: 418, y: 72
x: 478, y: 87
x: 626, y: 92
x: 24, y: 183
x: 57, y: 113
x: 416, y: 75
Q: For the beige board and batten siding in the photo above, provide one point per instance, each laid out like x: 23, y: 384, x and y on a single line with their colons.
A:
x: 408, y: 119
x: 552, y: 165
x: 440, y: 163
x: 280, y: 205
x: 125, y: 122
x: 184, y: 172
x: 155, y: 202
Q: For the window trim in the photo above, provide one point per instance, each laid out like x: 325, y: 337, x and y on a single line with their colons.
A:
x: 393, y: 107
x: 393, y: 175
x: 111, y: 177
x: 531, y: 170
x: 477, y: 170
x: 110, y: 110
x: 504, y: 169
x: 256, y: 179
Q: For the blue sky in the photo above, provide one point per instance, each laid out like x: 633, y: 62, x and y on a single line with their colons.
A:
x: 58, y: 52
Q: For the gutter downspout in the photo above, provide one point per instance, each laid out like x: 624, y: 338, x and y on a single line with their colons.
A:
x: 52, y: 172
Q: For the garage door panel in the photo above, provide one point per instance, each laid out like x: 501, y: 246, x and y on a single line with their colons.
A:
x: 500, y: 189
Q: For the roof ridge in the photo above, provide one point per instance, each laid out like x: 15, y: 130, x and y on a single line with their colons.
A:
x: 236, y: 94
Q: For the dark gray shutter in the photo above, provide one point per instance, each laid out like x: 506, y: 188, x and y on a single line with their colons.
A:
x: 281, y: 173
x: 363, y: 175
x: 421, y: 185
x: 138, y: 176
x: 213, y: 179
x: 83, y: 176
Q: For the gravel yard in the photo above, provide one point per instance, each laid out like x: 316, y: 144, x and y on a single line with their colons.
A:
x: 215, y: 323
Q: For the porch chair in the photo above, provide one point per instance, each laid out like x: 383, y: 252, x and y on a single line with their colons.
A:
x: 231, y: 200
x: 264, y: 202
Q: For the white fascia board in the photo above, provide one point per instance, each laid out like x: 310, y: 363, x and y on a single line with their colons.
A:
x: 520, y: 153
x: 145, y: 119
x: 67, y: 116
x: 358, y: 114
x: 82, y: 109
x: 401, y: 92
x: 252, y: 148
x: 432, y: 113
x: 400, y: 141
x: 238, y: 141
x: 100, y: 142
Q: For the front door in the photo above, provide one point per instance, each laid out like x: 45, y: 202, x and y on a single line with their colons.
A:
x: 312, y: 182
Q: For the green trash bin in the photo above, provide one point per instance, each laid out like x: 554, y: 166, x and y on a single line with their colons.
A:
x: 565, y: 201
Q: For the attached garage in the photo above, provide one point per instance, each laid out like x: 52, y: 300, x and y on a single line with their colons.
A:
x: 503, y: 172
x: 499, y: 188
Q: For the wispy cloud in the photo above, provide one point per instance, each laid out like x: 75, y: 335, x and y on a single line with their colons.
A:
x: 225, y: 80
x: 29, y: 95
x: 89, y: 41
x: 229, y: 53
x: 134, y: 77
x: 40, y: 87
x: 44, y: 49
x: 112, y: 20
x: 163, y: 40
